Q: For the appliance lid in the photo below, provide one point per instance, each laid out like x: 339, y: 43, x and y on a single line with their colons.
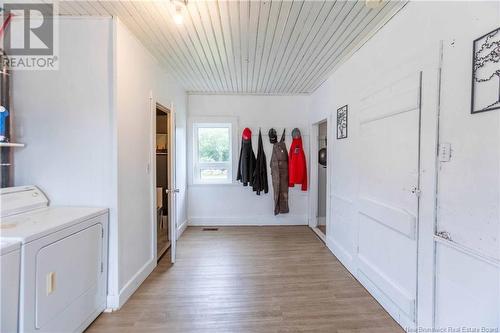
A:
x: 21, y: 199
x: 44, y: 221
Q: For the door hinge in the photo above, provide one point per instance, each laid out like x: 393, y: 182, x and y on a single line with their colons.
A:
x: 416, y: 191
x: 102, y: 232
x: 102, y: 267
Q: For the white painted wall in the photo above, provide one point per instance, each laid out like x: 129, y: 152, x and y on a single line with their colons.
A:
x: 138, y: 75
x: 233, y: 203
x: 468, y: 204
x: 65, y: 118
x: 87, y: 130
x: 469, y: 190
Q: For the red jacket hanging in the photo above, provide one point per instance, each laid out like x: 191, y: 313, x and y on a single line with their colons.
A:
x: 297, y: 170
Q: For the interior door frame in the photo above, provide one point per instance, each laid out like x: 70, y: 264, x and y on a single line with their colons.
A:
x: 172, y: 216
x: 314, y: 177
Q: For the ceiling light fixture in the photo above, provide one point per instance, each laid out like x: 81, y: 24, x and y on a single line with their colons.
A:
x: 178, y: 8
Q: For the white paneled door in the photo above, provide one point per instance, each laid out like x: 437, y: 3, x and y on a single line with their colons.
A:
x: 388, y: 197
x: 172, y: 192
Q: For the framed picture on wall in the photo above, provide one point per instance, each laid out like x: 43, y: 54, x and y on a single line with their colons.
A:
x: 342, y: 122
x: 486, y: 72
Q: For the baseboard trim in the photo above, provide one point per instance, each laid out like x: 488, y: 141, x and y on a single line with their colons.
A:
x: 115, y: 302
x: 394, y: 311
x: 405, y: 302
x: 182, y: 228
x: 340, y: 252
x: 350, y: 262
x: 319, y: 234
x: 249, y: 220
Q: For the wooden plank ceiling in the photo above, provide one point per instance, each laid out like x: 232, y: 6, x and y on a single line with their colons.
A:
x: 246, y: 47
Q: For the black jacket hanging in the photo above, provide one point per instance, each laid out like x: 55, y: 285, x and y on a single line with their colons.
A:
x: 246, y: 164
x: 260, y: 172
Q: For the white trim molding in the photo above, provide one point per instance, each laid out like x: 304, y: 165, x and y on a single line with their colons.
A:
x: 341, y: 253
x: 249, y: 220
x: 191, y: 149
x: 181, y: 228
x: 115, y: 302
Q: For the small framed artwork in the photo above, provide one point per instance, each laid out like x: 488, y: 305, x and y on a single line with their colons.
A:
x: 486, y: 72
x: 342, y: 122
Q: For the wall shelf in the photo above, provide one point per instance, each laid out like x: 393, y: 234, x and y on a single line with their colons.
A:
x: 11, y: 144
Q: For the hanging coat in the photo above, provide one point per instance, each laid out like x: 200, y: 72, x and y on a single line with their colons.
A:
x: 246, y: 164
x: 279, y: 173
x: 260, y: 172
x: 297, y: 170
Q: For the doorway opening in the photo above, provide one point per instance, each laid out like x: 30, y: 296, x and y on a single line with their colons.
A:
x: 322, y: 174
x: 163, y: 181
x: 319, y: 195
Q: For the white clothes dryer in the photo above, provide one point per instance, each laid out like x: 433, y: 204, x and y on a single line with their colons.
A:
x: 10, y: 262
x: 63, y: 277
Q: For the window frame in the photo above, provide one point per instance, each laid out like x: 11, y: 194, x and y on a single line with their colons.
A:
x: 212, y: 122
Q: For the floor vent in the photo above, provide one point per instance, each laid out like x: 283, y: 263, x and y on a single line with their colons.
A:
x: 210, y: 229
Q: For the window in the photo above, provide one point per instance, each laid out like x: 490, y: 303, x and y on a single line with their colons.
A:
x: 212, y: 150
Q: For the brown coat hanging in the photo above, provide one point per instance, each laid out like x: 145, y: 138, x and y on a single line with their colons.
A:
x: 279, y: 173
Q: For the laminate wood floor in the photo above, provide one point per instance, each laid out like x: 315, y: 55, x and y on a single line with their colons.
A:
x: 249, y: 279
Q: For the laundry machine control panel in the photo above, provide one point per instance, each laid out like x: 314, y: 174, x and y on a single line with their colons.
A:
x: 21, y: 199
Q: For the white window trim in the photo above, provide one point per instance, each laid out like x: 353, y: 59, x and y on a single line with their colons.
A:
x: 197, y: 166
x: 193, y: 124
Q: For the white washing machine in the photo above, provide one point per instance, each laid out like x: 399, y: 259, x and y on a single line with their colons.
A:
x: 63, y: 274
x: 10, y: 262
